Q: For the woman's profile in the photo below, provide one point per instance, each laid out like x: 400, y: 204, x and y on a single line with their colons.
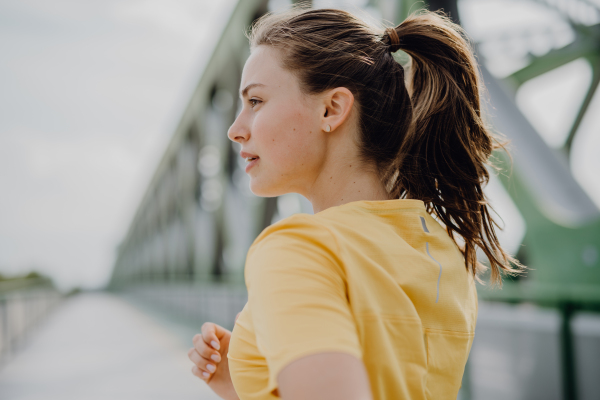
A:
x: 373, y: 296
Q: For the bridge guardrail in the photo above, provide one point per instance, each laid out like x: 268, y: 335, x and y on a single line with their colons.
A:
x: 22, y: 306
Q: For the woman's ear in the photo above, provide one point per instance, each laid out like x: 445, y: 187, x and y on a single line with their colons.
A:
x: 338, y: 104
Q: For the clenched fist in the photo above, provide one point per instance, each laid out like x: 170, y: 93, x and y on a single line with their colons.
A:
x: 209, y: 356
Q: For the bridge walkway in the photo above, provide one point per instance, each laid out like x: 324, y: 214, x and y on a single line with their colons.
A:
x: 99, y: 346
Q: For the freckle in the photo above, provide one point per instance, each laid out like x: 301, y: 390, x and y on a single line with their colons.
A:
x: 350, y: 164
x: 294, y: 128
x: 353, y: 182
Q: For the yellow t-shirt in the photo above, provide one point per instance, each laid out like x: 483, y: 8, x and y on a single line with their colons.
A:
x: 380, y: 280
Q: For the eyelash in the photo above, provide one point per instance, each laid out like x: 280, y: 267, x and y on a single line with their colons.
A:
x: 254, y: 102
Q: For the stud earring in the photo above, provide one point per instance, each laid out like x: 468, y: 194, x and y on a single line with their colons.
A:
x: 327, y: 128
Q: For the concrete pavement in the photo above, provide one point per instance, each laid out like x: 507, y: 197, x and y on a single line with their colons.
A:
x: 99, y: 346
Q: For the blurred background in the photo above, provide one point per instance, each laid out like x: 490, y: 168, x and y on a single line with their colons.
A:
x: 125, y: 212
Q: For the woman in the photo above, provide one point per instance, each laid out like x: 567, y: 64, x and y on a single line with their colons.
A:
x: 371, y: 297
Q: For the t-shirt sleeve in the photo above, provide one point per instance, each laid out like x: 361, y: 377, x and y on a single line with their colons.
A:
x: 297, y: 294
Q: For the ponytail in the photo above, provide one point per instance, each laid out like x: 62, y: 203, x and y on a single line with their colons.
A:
x: 426, y: 138
x: 444, y: 155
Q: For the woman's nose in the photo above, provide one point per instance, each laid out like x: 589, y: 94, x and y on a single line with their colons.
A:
x: 238, y: 132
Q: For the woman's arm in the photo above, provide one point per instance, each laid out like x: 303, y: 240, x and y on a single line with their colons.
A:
x: 326, y: 376
x: 301, y: 315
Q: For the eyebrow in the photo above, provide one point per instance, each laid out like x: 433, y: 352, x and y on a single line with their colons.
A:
x: 244, y: 92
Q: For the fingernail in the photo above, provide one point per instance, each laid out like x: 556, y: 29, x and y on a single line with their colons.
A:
x: 215, y: 357
x: 215, y: 345
x: 206, y: 374
x: 211, y: 367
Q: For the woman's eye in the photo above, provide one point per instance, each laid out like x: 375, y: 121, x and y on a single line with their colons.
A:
x: 254, y: 102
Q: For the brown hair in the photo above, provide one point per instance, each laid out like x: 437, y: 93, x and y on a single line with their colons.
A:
x: 430, y: 144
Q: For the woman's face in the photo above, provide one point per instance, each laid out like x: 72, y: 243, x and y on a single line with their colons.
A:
x: 280, y: 125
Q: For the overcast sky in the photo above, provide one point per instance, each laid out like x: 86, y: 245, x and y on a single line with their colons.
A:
x: 92, y: 90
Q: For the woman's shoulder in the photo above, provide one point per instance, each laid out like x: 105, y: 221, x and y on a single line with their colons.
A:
x: 296, y: 228
x: 301, y: 240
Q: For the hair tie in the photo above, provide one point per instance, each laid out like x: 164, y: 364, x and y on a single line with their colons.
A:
x: 394, y: 40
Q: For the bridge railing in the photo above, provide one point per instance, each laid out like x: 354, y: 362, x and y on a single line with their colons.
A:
x: 23, y: 305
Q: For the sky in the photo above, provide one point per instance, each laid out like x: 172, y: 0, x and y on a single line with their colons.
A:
x: 92, y: 91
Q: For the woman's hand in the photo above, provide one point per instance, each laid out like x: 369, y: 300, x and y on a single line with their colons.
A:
x: 209, y: 355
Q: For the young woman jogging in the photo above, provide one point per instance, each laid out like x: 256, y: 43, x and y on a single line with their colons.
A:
x: 373, y: 296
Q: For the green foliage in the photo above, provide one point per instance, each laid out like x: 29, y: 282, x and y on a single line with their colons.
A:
x: 19, y: 282
x: 74, y: 291
x: 30, y: 275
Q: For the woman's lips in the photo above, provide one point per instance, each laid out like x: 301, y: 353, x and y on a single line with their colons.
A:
x: 251, y: 164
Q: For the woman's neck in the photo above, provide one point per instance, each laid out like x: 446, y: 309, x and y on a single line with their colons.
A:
x: 344, y: 185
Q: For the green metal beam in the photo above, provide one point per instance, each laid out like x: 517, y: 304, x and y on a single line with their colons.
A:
x: 594, y: 61
x: 587, y: 44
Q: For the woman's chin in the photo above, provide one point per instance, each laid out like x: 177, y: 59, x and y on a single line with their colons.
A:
x: 261, y: 190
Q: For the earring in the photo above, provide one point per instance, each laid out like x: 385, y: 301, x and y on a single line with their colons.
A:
x: 327, y: 128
